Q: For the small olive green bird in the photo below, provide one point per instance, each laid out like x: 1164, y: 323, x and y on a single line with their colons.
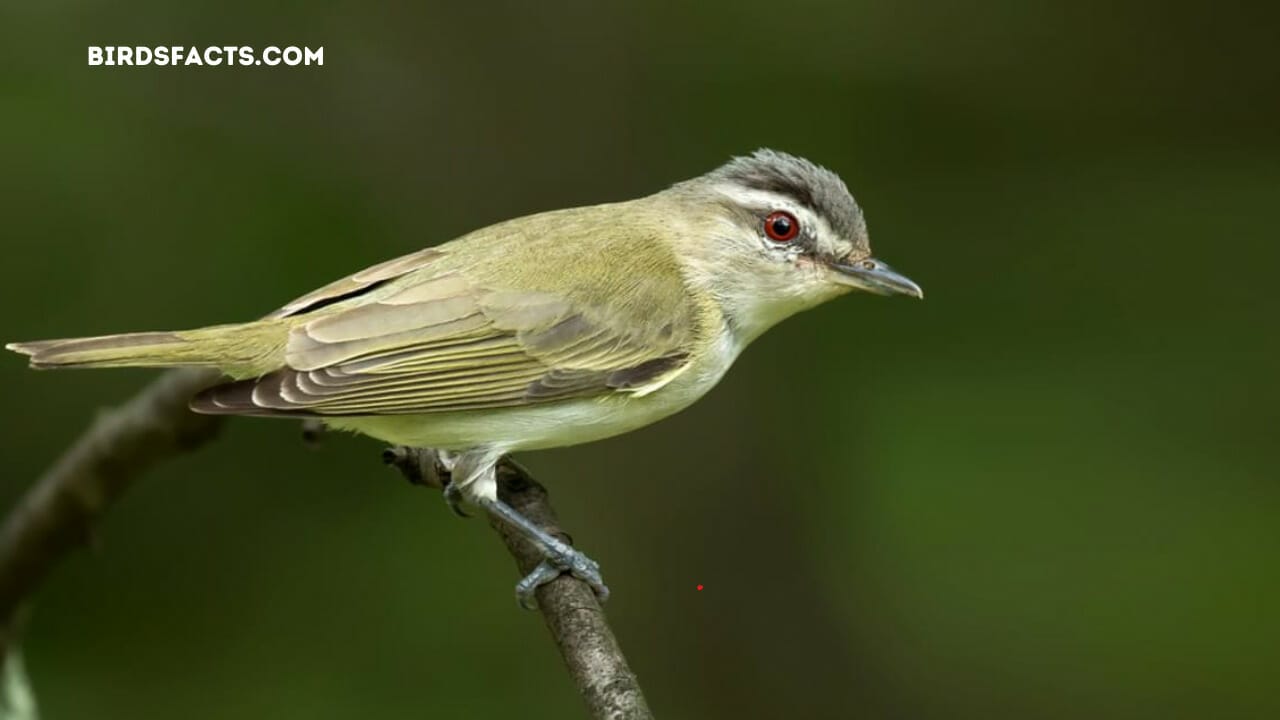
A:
x: 548, y: 330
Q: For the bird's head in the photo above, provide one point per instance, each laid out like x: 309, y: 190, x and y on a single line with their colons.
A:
x: 776, y: 234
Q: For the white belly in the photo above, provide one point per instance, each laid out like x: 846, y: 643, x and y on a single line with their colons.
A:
x: 553, y: 424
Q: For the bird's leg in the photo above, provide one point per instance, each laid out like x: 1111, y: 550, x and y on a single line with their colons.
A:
x: 557, y: 556
x: 474, y: 477
x: 453, y: 489
x: 453, y: 498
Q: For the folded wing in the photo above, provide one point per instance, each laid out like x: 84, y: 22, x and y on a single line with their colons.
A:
x: 437, y: 341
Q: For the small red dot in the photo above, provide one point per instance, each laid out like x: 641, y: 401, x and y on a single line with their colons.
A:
x: 699, y: 588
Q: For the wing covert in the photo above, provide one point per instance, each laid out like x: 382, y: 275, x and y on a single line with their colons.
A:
x: 438, y: 342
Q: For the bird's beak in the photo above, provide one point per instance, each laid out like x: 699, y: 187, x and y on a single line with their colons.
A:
x: 873, y: 276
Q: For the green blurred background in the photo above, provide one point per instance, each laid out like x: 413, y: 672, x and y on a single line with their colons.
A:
x: 1049, y: 490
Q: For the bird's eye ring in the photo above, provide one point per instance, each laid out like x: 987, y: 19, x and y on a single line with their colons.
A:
x: 781, y: 226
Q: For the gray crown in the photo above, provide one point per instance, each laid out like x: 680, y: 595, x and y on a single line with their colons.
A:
x: 810, y: 185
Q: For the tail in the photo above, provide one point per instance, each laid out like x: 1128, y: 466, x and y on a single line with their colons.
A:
x: 242, y: 350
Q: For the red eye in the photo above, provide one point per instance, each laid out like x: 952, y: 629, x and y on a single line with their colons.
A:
x: 781, y: 226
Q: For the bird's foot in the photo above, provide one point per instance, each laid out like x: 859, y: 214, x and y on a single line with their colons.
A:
x: 559, y: 560
x: 558, y: 556
x: 453, y: 498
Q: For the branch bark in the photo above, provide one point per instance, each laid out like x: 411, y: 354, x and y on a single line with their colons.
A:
x: 58, y: 514
x: 569, y: 607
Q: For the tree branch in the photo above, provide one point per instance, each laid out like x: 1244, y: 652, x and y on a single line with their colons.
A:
x: 58, y: 514
x: 568, y: 606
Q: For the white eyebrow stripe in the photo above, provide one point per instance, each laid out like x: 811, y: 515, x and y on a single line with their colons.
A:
x: 751, y: 196
x: 764, y: 198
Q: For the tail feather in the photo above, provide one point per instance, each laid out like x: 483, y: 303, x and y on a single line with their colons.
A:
x: 103, y: 351
x: 247, y: 349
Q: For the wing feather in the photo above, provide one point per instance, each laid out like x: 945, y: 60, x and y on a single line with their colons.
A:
x: 355, y: 285
x: 417, y: 335
x: 476, y: 324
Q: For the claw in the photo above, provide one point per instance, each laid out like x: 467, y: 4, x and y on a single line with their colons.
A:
x: 561, y: 558
x: 541, y: 575
x: 558, y: 556
x: 453, y: 498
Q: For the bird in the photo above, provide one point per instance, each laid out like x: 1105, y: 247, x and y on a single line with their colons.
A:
x: 548, y: 330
